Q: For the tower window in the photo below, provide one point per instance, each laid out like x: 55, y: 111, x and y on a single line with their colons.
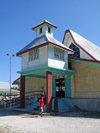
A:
x: 40, y: 30
x: 49, y: 29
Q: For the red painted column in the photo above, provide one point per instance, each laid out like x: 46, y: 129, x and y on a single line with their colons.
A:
x: 49, y: 91
x: 22, y: 91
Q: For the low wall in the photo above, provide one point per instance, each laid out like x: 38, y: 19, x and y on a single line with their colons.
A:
x: 90, y: 104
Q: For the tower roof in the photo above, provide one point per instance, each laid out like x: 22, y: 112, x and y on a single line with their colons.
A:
x: 44, y: 22
x: 41, y: 41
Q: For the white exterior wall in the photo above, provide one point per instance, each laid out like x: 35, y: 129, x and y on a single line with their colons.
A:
x: 44, y: 30
x: 42, y: 61
x: 52, y: 62
x: 68, y: 40
x: 46, y: 58
x: 24, y: 61
x: 38, y: 31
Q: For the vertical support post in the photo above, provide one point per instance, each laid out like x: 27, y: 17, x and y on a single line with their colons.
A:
x: 68, y: 86
x: 54, y: 87
x: 49, y: 91
x: 10, y: 78
x: 22, y: 91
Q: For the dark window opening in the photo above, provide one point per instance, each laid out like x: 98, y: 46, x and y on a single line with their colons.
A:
x: 40, y: 30
x: 70, y: 65
x: 49, y: 30
x: 76, y: 51
x: 60, y: 87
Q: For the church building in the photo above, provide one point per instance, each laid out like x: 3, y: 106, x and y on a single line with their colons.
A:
x: 68, y: 72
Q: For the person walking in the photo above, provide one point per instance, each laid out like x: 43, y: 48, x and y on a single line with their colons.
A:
x: 41, y: 102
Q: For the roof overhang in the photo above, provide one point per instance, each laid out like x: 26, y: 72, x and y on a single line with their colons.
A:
x: 43, y: 69
x: 44, y: 44
x: 45, y: 22
x: 17, y: 81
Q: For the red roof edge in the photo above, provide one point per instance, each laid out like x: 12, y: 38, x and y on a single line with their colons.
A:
x: 77, y: 44
x: 44, y: 44
x: 44, y: 23
x: 14, y: 82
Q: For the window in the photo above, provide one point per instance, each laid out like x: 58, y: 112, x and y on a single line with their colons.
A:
x: 36, y: 54
x: 49, y: 30
x: 30, y: 55
x: 56, y: 53
x: 76, y: 51
x: 40, y: 30
x: 59, y: 54
x: 70, y: 65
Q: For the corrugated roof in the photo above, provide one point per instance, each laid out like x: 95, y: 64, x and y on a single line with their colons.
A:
x: 41, y: 40
x: 88, y: 46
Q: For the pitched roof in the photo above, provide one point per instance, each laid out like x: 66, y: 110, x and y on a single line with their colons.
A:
x: 17, y: 81
x: 88, y: 47
x: 42, y: 40
x: 44, y: 22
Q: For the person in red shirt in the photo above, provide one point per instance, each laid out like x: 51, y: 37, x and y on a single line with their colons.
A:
x: 41, y: 101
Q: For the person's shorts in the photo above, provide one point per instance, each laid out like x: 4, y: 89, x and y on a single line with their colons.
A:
x: 41, y: 108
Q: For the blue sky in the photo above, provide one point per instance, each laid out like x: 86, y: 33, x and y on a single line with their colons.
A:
x: 17, y: 17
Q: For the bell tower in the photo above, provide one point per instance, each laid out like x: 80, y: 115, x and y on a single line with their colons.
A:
x: 44, y: 28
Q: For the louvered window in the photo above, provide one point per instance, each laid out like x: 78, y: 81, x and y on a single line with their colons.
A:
x: 30, y: 55
x: 36, y: 54
x: 59, y: 54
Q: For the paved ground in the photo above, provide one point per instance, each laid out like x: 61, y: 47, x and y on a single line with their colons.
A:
x: 72, y: 122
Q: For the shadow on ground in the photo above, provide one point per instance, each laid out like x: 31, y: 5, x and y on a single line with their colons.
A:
x: 80, y: 113
x: 75, y: 113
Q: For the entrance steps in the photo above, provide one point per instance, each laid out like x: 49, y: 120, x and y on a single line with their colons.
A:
x: 34, y: 105
x: 62, y: 105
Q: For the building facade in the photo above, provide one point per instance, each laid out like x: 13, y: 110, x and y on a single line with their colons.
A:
x: 68, y: 71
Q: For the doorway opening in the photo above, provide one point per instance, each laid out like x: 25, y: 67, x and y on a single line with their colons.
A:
x: 60, y: 87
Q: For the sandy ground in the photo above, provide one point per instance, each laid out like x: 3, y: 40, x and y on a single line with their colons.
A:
x: 16, y: 122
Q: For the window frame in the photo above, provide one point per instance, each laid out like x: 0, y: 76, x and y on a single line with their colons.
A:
x: 59, y: 52
x: 75, y: 49
x: 49, y: 30
x: 36, y: 57
x: 30, y: 57
x: 41, y: 30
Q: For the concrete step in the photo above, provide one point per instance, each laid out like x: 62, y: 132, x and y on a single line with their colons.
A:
x: 62, y: 105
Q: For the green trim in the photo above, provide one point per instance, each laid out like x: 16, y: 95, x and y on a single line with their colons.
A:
x: 46, y: 68
x: 85, y: 63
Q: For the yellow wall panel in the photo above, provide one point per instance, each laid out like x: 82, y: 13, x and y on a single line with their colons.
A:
x: 86, y: 81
